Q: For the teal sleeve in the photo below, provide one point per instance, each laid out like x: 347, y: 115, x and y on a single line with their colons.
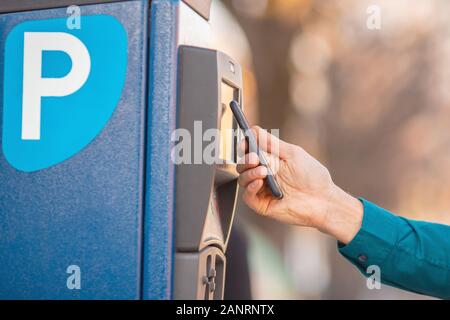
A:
x: 411, y: 255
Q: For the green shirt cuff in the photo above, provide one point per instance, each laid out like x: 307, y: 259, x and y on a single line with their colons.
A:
x: 375, y: 240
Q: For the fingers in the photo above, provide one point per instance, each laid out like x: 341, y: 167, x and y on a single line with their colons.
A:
x: 271, y: 144
x: 251, y: 175
x: 251, y: 193
x: 249, y: 161
x: 273, y: 162
x: 242, y: 147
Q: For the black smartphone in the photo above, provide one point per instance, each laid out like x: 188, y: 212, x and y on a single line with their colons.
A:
x: 253, y: 147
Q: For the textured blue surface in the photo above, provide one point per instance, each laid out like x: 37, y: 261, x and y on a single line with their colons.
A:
x: 87, y: 210
x: 158, y: 226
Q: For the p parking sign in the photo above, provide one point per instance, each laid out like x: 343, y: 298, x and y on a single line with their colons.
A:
x: 61, y: 86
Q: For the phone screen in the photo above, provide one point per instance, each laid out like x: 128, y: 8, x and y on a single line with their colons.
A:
x: 227, y: 143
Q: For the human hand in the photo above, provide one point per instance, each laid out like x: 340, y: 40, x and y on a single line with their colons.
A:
x: 310, y: 197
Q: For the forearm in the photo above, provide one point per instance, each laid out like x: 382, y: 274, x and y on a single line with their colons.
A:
x: 343, y: 216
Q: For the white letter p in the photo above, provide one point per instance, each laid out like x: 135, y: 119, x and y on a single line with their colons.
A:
x: 35, y: 87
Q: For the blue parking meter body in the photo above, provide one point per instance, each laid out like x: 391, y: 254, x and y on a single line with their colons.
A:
x: 88, y: 104
x: 71, y: 224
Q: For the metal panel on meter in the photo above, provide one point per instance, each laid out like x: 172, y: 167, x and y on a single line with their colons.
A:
x: 206, y: 188
x: 71, y: 214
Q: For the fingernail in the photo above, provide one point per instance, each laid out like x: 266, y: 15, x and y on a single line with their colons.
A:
x: 262, y: 171
x: 253, y: 158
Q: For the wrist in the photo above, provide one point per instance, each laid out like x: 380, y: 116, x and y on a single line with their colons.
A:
x: 343, y: 215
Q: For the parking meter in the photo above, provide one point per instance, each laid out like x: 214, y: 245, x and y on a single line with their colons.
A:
x: 91, y: 204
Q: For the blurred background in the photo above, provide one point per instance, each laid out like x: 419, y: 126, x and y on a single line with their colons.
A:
x: 364, y: 87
